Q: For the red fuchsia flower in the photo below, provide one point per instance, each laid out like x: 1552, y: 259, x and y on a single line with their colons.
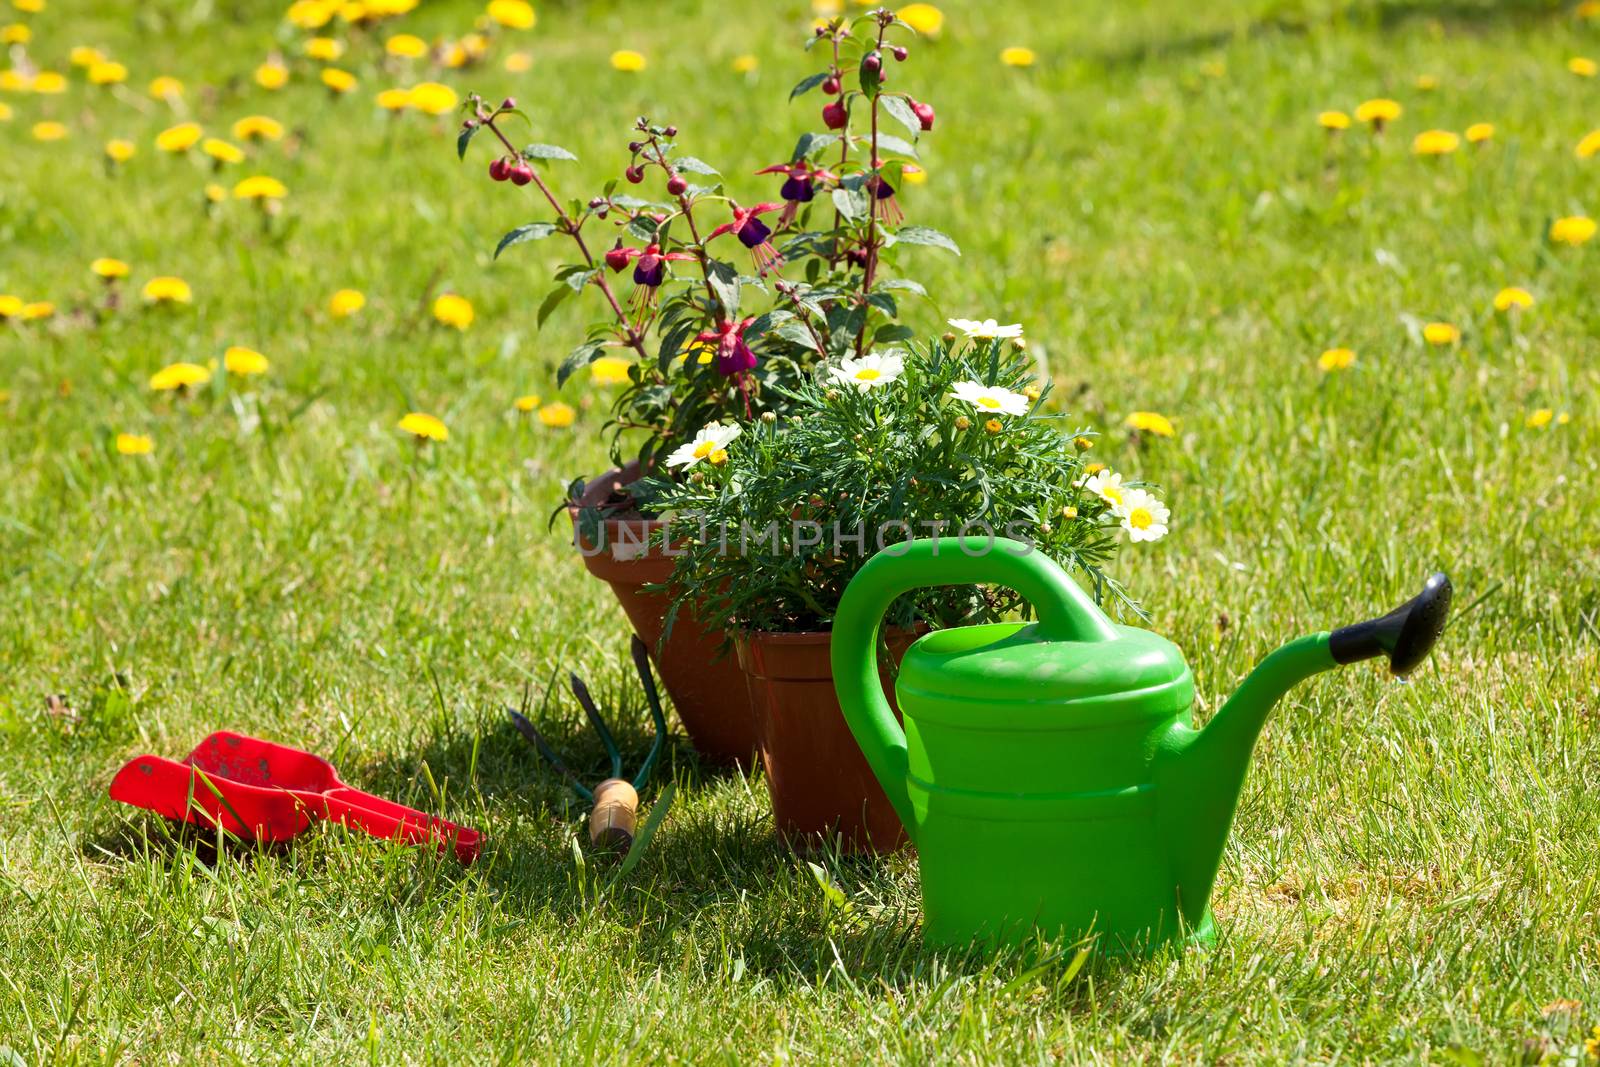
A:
x: 753, y: 234
x: 883, y: 201
x: 648, y: 273
x: 733, y: 355
x: 799, y: 186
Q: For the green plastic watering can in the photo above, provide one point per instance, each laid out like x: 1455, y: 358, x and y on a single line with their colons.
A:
x: 1050, y: 774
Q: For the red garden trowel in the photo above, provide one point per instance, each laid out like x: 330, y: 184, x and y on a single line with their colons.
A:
x: 267, y: 792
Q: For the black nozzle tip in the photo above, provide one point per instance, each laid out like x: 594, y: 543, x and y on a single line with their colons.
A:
x: 1406, y: 635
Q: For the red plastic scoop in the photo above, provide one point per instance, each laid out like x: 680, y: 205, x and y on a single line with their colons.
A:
x: 269, y: 792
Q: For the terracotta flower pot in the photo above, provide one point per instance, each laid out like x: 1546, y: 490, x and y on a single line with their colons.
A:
x: 708, y: 690
x: 819, y: 780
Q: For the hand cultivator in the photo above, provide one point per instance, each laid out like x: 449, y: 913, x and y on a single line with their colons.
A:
x: 616, y: 800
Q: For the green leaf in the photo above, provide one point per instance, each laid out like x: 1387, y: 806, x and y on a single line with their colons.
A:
x: 884, y: 303
x: 695, y: 166
x: 552, y: 300
x: 852, y: 203
x: 581, y: 356
x: 548, y: 151
x: 652, y: 823
x: 811, y: 143
x: 764, y: 322
x: 808, y: 84
x: 903, y: 283
x: 533, y: 231
x: 795, y: 332
x: 892, y: 333
x: 888, y: 142
x: 465, y: 138
x: 926, y: 235
x: 581, y: 278
x: 673, y: 343
x: 643, y: 227
x: 832, y: 895
x: 901, y: 112
x: 725, y: 283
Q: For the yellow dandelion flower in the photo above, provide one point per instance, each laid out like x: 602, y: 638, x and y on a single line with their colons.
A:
x: 5, y: 112
x: 1333, y: 120
x: 1427, y: 82
x: 14, y: 81
x: 406, y: 46
x: 177, y: 377
x: 557, y: 415
x: 1435, y: 143
x: 1480, y: 132
x: 526, y: 404
x: 1017, y: 56
x: 258, y: 128
x: 625, y: 59
x: 310, y: 14
x: 609, y: 370
x: 1572, y: 230
x: 108, y: 72
x: 49, y: 82
x: 1539, y: 418
x: 1337, y: 359
x: 346, y: 302
x: 746, y: 64
x: 167, y: 289
x: 260, y: 187
x: 16, y: 33
x: 455, y: 56
x: 165, y: 87
x: 394, y: 99
x: 222, y: 151
x: 1589, y: 9
x: 37, y: 309
x: 1589, y: 147
x: 1513, y: 298
x: 85, y: 56
x: 1440, y: 333
x: 1378, y: 111
x: 354, y: 11
x: 244, y: 362
x: 28, y: 7
x: 49, y: 131
x: 1583, y: 66
x: 424, y: 427
x: 519, y: 63
x: 271, y: 75
x: 1150, y: 422
x: 215, y: 193
x: 326, y: 49
x: 135, y: 444
x: 340, y: 81
x: 924, y: 18
x: 433, y: 98
x: 179, y: 138
x: 108, y: 268
x: 512, y: 14
x: 826, y: 9
x: 453, y: 310
x: 10, y: 306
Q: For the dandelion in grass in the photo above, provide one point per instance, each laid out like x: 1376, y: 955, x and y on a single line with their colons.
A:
x: 260, y: 188
x: 1333, y: 121
x: 512, y: 14
x: 986, y: 329
x: 10, y: 306
x: 167, y: 289
x: 432, y: 98
x: 119, y: 151
x: 518, y: 63
x: 1512, y: 298
x: 214, y: 194
x: 453, y: 311
x: 1583, y: 66
x: 1105, y: 484
x: 244, y: 362
x: 49, y: 131
x: 134, y: 444
x: 1480, y: 133
x: 745, y: 64
x: 406, y: 46
x: 1440, y: 333
x: 5, y: 113
x: 16, y: 33
x: 1335, y: 359
x: 272, y: 75
x: 346, y: 302
x: 179, y: 138
x: 37, y: 309
x: 222, y: 152
x: 1017, y: 56
x: 1427, y: 83
x: 991, y: 399
x: 311, y: 14
x: 29, y: 7
x: 325, y: 49
x: 165, y: 87
x: 15, y: 81
x: 108, y: 269
x: 1378, y: 113
x: 108, y: 72
x: 1150, y: 422
x: 826, y: 9
x: 1435, y: 143
x: 255, y: 128
x: 179, y: 378
x: 1143, y: 516
x: 424, y: 427
x: 610, y: 370
x: 338, y: 81
x: 1539, y: 418
x: 628, y: 61
x: 1572, y: 230
x: 394, y: 100
x: 527, y: 404
x: 870, y: 371
x: 1589, y: 146
x: 557, y: 416
x: 712, y: 440
x: 924, y: 18
x: 49, y: 82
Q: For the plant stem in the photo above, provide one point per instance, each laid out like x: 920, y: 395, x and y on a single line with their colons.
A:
x: 686, y: 209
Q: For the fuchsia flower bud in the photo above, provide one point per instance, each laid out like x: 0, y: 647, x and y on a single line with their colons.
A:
x: 671, y: 131
x: 676, y: 185
x: 872, y: 62
x: 508, y: 104
x: 521, y: 174
x: 617, y: 258
x: 834, y: 115
x: 830, y: 85
x: 635, y: 175
x: 900, y: 52
x: 499, y: 169
x: 924, y: 113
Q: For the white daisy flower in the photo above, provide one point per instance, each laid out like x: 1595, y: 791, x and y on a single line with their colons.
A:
x: 991, y: 398
x: 1107, y: 485
x: 712, y: 441
x: 1143, y: 516
x: 986, y: 329
x: 869, y: 371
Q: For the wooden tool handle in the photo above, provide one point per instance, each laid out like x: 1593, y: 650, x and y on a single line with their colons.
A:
x: 615, y: 815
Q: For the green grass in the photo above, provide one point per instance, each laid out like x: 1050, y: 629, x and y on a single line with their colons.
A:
x: 1415, y: 872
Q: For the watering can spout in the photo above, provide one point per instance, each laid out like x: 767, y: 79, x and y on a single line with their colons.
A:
x: 1200, y: 773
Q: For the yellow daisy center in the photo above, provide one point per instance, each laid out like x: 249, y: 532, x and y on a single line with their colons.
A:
x: 989, y: 402
x: 718, y: 458
x: 704, y: 449
x: 1111, y: 493
x: 868, y: 374
x: 1140, y: 518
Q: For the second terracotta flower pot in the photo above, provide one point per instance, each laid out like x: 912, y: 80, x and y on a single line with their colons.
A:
x: 708, y: 689
x: 819, y: 780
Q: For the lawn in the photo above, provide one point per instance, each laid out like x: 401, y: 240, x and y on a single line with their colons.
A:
x: 1415, y: 871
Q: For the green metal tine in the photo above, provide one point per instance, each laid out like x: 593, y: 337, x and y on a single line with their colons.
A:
x: 581, y: 691
x: 641, y: 662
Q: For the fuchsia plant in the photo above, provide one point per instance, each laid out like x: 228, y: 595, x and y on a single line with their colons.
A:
x: 820, y: 254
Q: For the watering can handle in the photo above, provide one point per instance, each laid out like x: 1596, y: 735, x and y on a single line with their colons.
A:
x: 1066, y: 613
